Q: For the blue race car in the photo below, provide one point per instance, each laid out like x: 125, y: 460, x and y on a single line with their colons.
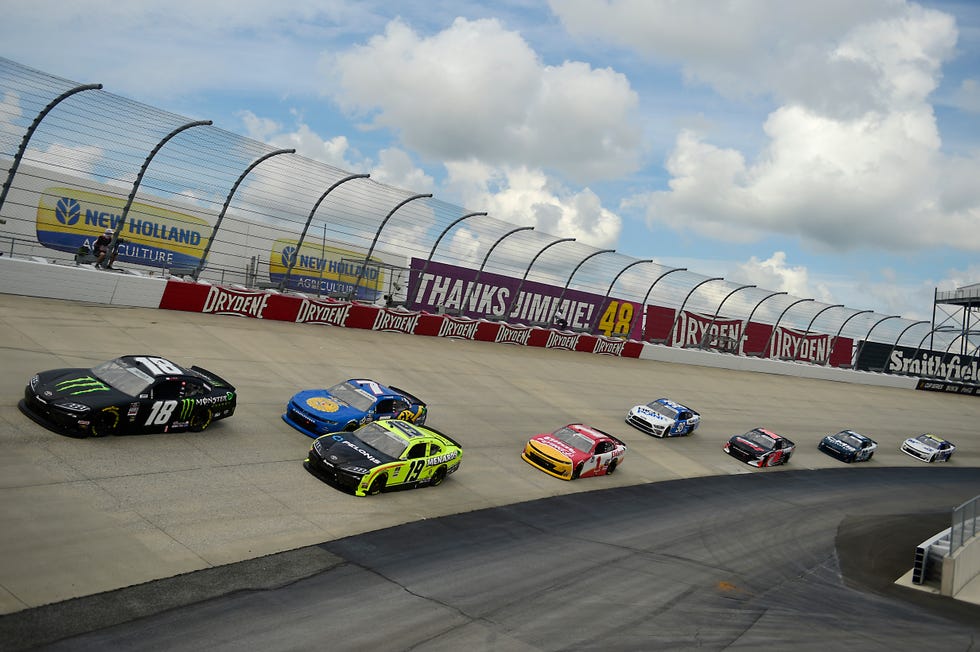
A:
x: 848, y: 446
x: 349, y: 405
x: 664, y: 418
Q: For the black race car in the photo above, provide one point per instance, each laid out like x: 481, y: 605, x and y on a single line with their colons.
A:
x: 133, y: 394
x: 760, y: 447
x: 848, y: 446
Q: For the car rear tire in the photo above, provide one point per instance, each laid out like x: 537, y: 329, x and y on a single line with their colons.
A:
x: 350, y: 427
x: 378, y: 485
x: 577, y: 472
x: 438, y: 477
x: 786, y: 458
x: 201, y: 419
x: 612, y: 468
x: 870, y: 455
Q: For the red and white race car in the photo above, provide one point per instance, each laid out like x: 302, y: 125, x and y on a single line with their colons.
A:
x: 760, y: 447
x: 575, y: 451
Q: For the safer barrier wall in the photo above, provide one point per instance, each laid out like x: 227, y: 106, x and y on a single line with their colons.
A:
x: 961, y: 567
x: 41, y: 278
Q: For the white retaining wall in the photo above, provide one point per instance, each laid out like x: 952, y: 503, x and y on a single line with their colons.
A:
x: 38, y: 277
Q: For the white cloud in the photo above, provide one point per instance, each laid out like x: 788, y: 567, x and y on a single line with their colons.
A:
x: 869, y: 176
x: 775, y: 274
x: 528, y: 197
x: 478, y: 91
x: 333, y: 151
x: 395, y: 168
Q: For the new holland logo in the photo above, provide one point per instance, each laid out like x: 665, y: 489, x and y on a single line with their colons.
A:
x: 67, y: 211
x: 83, y: 385
x: 288, y: 257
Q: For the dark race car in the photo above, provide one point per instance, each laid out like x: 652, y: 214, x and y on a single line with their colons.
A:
x: 384, y: 454
x: 848, y: 446
x: 760, y: 447
x: 132, y: 394
x: 349, y: 405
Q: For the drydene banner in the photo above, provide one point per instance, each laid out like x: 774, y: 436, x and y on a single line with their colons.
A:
x: 730, y: 335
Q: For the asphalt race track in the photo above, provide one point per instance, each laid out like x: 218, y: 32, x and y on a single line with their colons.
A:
x: 683, y: 547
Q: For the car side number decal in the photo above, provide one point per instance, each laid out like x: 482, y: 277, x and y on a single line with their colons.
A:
x: 774, y: 458
x: 161, y: 413
x: 415, y: 470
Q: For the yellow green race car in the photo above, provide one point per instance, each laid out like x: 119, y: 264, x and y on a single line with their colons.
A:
x: 384, y: 454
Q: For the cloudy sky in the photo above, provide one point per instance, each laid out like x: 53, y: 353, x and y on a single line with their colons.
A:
x: 828, y: 149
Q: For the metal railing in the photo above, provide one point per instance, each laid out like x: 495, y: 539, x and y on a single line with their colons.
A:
x: 964, y: 525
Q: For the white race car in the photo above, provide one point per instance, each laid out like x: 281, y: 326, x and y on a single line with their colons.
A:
x: 928, y: 448
x: 664, y: 418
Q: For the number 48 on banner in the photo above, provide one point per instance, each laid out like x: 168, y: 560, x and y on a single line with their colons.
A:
x: 617, y: 319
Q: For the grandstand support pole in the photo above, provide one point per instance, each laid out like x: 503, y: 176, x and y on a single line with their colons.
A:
x: 139, y: 179
x: 306, y: 227
x: 857, y: 355
x: 898, y: 339
x: 411, y: 301
x: 840, y: 330
x: 30, y: 132
x: 479, y: 272
x: 647, y: 295
x: 764, y: 350
x: 561, y: 296
x: 377, y: 234
x: 616, y: 278
x: 221, y: 216
x: 707, y: 331
x: 937, y: 329
x: 517, y: 293
x: 677, y: 315
x: 810, y: 325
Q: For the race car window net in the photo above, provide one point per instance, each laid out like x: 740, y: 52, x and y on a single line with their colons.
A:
x: 660, y: 408
x: 352, y: 396
x: 380, y: 439
x: 128, y: 380
x: 759, y: 438
x: 575, y: 440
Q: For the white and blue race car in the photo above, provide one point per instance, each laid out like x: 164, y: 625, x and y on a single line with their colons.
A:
x: 664, y: 418
x: 928, y: 448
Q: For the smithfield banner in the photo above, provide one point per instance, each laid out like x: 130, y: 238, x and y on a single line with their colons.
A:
x: 730, y: 335
x: 325, y: 270
x: 476, y: 295
x: 945, y: 372
x: 69, y: 218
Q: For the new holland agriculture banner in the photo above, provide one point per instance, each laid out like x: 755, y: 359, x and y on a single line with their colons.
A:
x: 68, y: 218
x: 325, y: 270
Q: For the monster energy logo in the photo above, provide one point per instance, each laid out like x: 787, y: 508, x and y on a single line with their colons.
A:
x: 82, y: 386
x: 187, y: 408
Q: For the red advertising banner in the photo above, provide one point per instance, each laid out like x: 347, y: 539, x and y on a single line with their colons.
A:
x: 257, y: 304
x: 734, y: 336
